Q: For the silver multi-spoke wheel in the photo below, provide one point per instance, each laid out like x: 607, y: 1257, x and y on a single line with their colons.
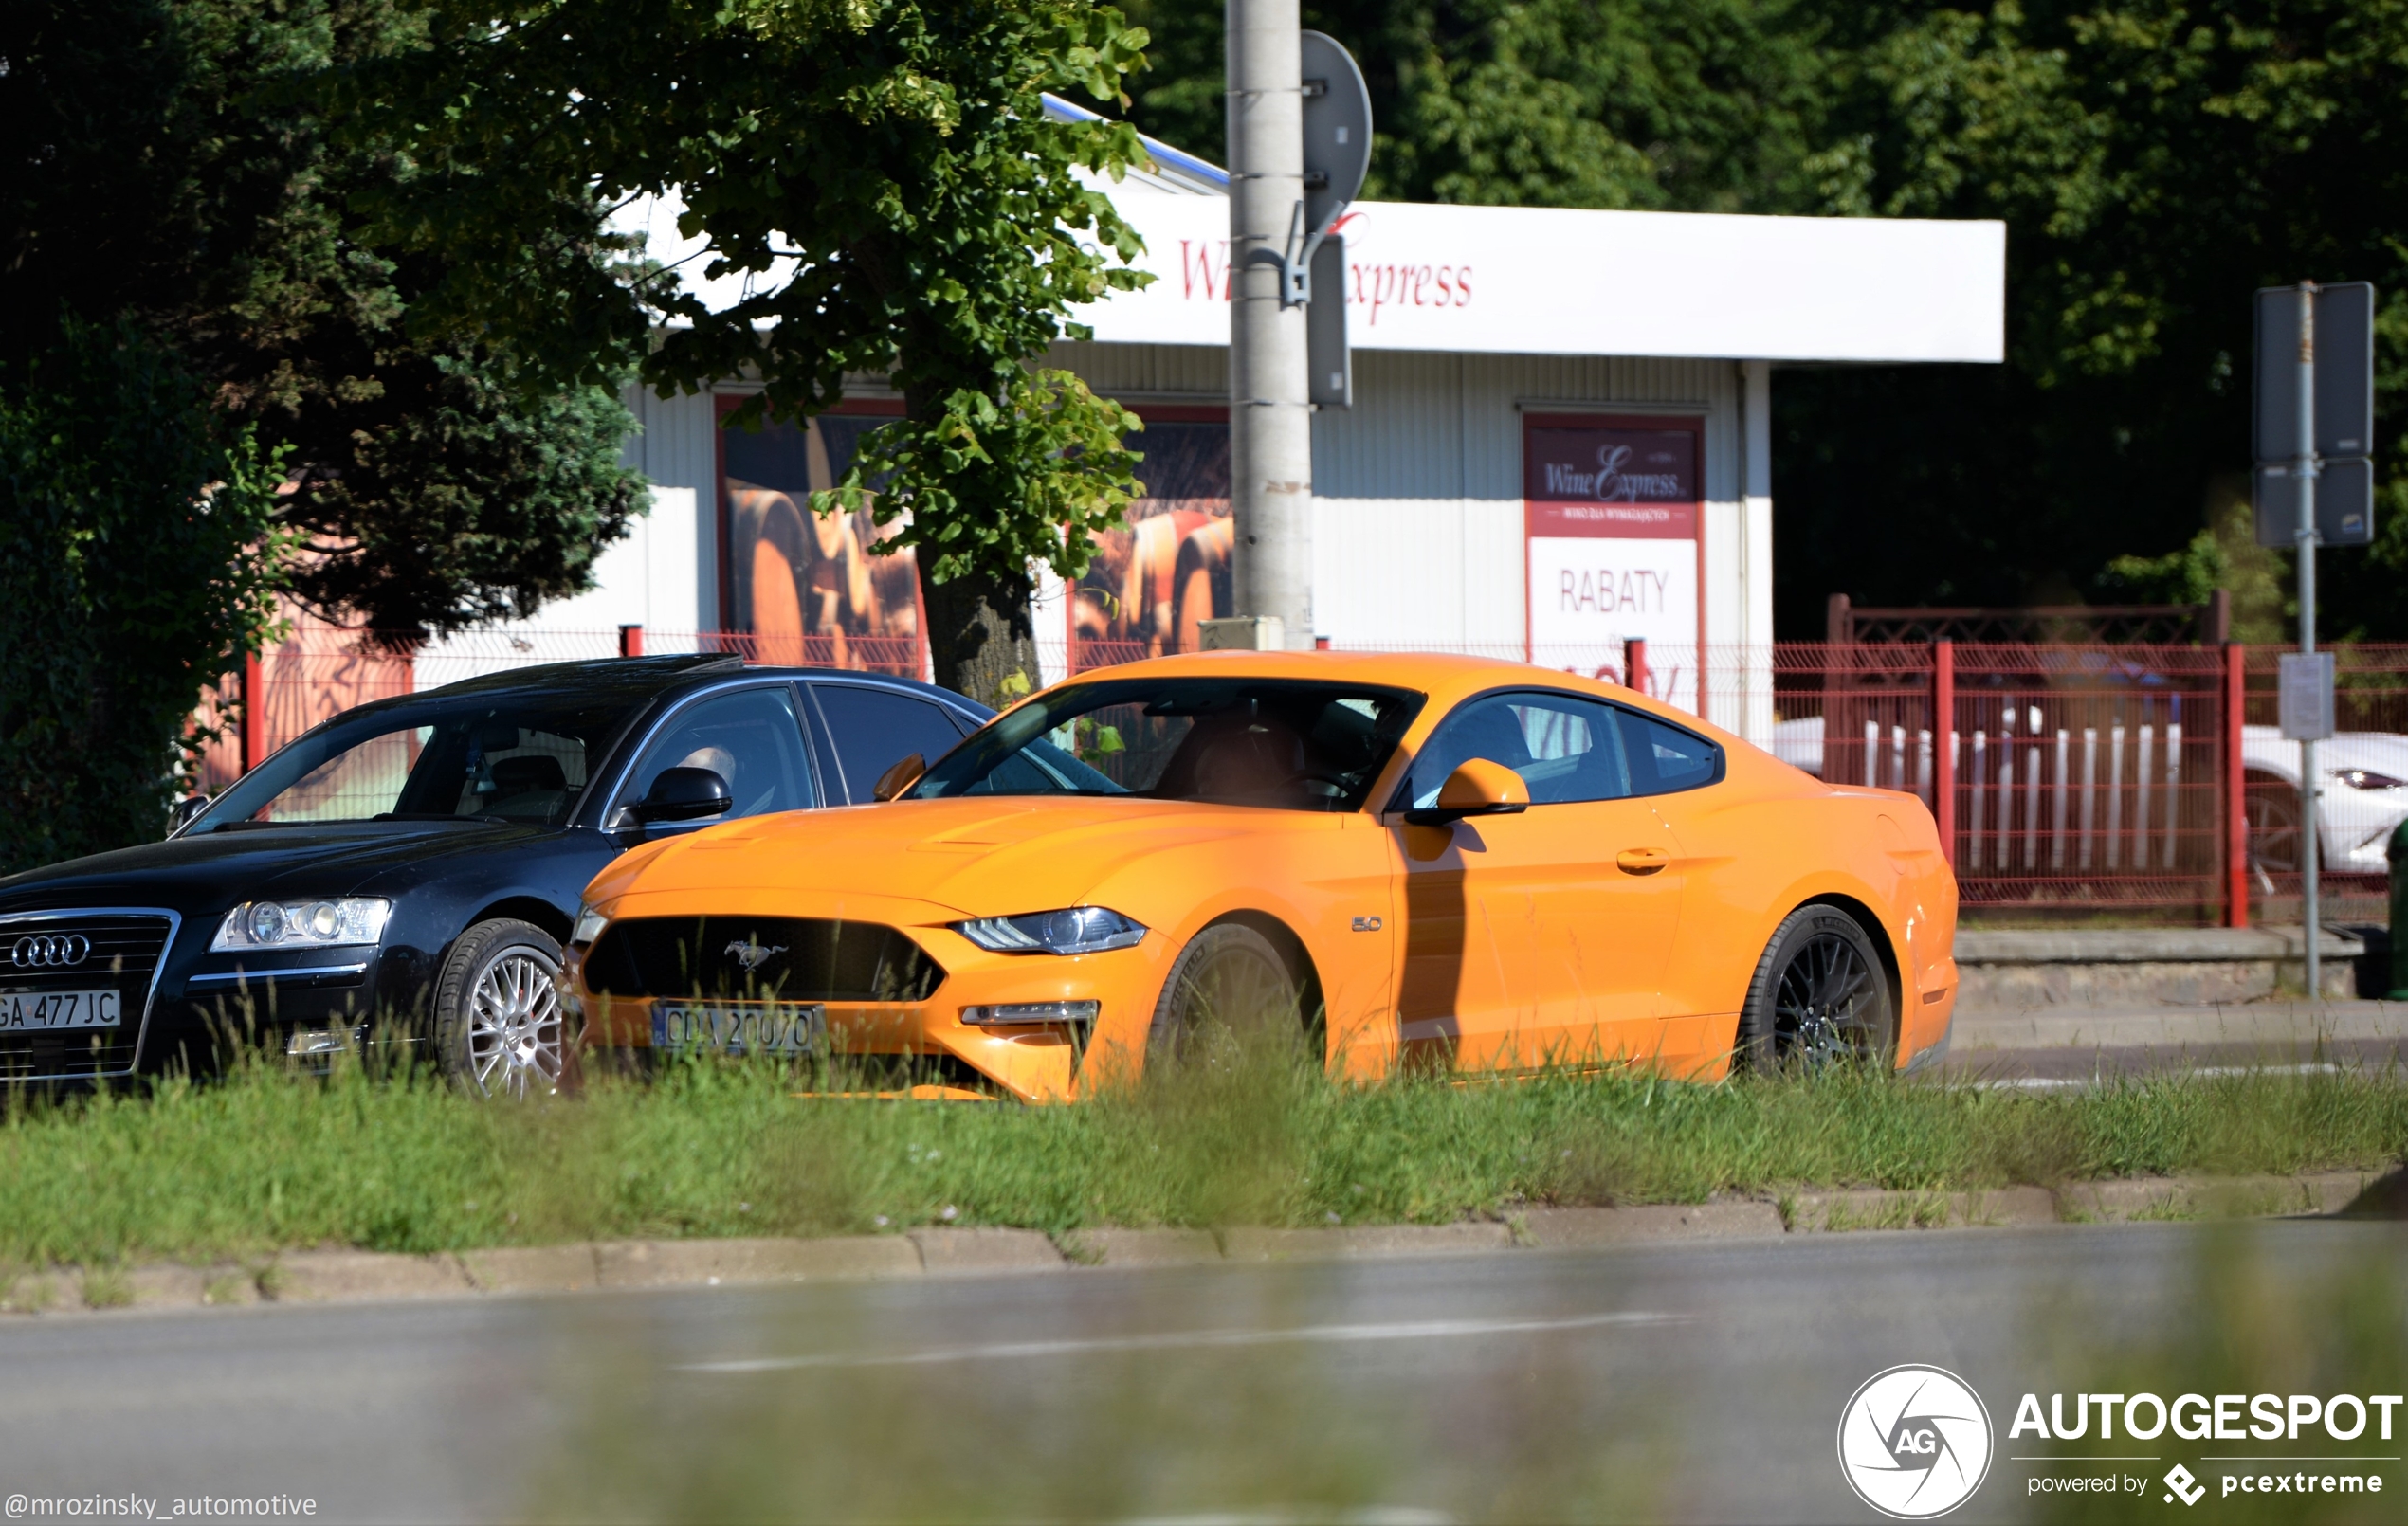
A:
x: 499, y: 1030
x: 1821, y: 996
x: 514, y: 1027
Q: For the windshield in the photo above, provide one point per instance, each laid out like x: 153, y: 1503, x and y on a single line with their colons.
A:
x: 1277, y: 743
x: 512, y: 757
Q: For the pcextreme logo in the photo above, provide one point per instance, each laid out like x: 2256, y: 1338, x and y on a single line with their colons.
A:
x: 1915, y: 1441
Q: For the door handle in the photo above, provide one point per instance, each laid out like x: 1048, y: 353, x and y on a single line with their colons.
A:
x: 1642, y: 859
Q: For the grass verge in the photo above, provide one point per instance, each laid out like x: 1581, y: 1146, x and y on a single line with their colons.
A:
x: 266, y: 1159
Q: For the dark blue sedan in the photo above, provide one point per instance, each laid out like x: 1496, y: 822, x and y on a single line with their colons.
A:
x: 409, y: 869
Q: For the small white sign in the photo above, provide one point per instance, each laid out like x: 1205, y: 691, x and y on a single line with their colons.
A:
x: 1590, y: 595
x: 2308, y: 696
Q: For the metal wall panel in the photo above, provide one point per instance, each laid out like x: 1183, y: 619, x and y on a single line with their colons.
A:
x: 677, y: 445
x: 1418, y: 514
x: 1137, y: 371
x: 1417, y: 534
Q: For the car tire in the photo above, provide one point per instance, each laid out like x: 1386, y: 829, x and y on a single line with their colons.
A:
x: 500, y: 1031
x: 1231, y: 978
x: 1820, y: 996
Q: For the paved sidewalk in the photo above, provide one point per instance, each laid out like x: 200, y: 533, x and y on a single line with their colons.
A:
x: 2227, y: 1023
x: 2069, y: 1045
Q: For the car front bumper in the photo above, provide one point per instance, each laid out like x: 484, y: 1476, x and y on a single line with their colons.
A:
x: 1033, y: 1061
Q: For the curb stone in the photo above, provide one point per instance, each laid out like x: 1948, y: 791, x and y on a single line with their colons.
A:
x: 1141, y: 1247
x: 1576, y: 1229
x: 533, y: 1268
x: 2143, y: 1198
x: 955, y: 1252
x: 643, y: 1264
x: 1876, y: 1208
x: 1353, y: 1242
x: 330, y: 1276
x: 349, y: 1275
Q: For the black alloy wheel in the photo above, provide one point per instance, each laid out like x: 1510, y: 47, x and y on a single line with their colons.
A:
x: 1229, y: 981
x: 1821, y: 997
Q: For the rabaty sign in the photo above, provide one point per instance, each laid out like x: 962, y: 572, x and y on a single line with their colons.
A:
x: 1610, y: 516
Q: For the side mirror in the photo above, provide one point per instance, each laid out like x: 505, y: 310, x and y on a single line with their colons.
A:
x: 1479, y: 788
x: 905, y: 773
x: 186, y: 808
x: 683, y: 794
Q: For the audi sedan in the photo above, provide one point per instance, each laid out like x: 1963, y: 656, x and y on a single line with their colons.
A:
x: 407, y: 872
x: 1429, y: 862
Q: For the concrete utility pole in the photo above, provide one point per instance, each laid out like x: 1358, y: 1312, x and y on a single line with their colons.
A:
x: 1271, y: 415
x: 2311, y: 910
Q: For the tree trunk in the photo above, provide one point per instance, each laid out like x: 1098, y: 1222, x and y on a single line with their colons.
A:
x: 981, y: 640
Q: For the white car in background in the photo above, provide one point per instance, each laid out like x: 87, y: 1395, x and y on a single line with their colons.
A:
x: 2365, y: 796
x: 2366, y: 792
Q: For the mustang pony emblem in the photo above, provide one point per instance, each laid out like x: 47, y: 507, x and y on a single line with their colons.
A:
x: 751, y: 952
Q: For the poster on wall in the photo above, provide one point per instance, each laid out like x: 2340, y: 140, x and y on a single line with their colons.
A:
x: 1609, y: 518
x: 1151, y: 583
x: 808, y: 588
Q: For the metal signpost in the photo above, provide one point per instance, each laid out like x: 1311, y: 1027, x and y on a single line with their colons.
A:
x: 1299, y: 142
x: 2315, y: 426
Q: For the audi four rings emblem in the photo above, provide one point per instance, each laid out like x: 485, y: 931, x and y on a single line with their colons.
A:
x: 51, y: 951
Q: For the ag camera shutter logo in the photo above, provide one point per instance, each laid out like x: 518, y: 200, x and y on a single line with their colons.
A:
x: 1914, y: 1442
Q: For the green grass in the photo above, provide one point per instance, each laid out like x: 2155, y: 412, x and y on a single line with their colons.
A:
x: 266, y: 1159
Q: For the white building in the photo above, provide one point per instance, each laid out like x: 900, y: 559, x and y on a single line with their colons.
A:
x: 1560, y: 440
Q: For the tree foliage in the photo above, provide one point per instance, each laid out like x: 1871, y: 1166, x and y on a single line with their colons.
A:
x: 133, y: 537
x: 2154, y: 160
x: 175, y: 164
x: 881, y: 174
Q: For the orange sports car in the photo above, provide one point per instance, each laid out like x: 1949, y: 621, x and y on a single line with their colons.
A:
x: 1437, y: 862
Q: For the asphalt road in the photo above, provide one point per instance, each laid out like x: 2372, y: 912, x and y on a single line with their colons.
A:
x: 1696, y: 1382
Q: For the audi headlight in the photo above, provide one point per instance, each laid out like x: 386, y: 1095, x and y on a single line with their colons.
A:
x: 301, y: 924
x: 1075, y: 930
x: 590, y: 925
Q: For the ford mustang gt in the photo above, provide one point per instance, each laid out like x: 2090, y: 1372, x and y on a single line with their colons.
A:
x: 1434, y: 863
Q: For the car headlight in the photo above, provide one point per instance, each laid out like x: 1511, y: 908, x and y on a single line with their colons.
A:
x: 1075, y: 930
x: 590, y: 925
x: 301, y: 924
x: 2367, y: 779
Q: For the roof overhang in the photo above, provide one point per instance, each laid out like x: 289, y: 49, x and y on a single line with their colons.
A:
x: 1544, y: 281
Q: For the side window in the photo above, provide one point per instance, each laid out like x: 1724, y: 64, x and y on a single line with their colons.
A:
x: 751, y: 738
x: 871, y: 730
x: 1665, y: 759
x: 1564, y: 747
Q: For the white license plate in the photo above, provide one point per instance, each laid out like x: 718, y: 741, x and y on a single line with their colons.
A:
x: 680, y: 1028
x: 24, y: 1012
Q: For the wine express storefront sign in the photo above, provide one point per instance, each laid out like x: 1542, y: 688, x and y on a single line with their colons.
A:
x: 1610, y: 530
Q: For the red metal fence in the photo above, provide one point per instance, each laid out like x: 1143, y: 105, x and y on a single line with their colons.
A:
x: 2128, y: 780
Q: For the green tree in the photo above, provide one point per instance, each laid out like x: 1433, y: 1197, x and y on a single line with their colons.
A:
x: 1617, y: 103
x: 172, y: 162
x: 137, y: 543
x: 882, y: 173
x: 2154, y: 160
